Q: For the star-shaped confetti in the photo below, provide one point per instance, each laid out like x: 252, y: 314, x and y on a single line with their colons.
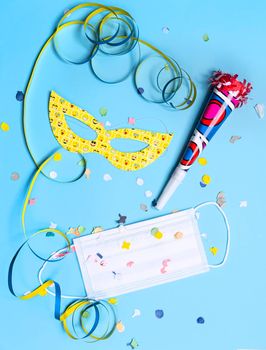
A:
x: 126, y: 245
x: 214, y: 250
x: 122, y: 219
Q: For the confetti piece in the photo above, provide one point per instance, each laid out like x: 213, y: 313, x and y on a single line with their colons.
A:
x: 139, y: 181
x: 82, y: 162
x: 107, y: 177
x: 259, y: 108
x: 97, y: 229
x: 126, y: 245
x: 143, y: 207
x: 206, y: 179
x: 148, y: 193
x: 85, y: 314
x: 53, y: 225
x: 103, y: 111
x: 108, y: 123
x: 53, y: 174
x: 122, y: 219
x: 158, y: 235
x: 243, y: 204
x: 20, y: 96
x: 112, y: 301
x: 202, y: 161
x: 130, y: 263
x: 205, y: 37
x: 136, y: 313
x: 214, y: 250
x: 32, y: 201
x: 165, y: 265
x: 234, y: 138
x: 120, y: 327
x: 81, y: 229
x: 159, y: 313
x: 220, y: 199
x: 204, y: 235
x: 133, y: 343
x: 165, y: 30
x: 14, y: 176
x: 49, y: 234
x: 131, y: 121
x: 4, y: 126
x: 202, y: 184
x: 178, y: 235
x: 57, y: 157
x: 87, y: 173
x: 140, y: 90
x: 154, y: 230
x: 73, y: 231
x: 200, y: 320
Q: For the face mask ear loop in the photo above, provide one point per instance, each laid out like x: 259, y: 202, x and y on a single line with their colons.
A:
x: 228, y: 237
x: 49, y: 291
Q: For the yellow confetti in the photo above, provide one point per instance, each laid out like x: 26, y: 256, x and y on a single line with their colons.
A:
x: 97, y: 229
x: 57, y: 157
x: 158, y: 235
x: 112, y: 301
x: 178, y: 235
x: 206, y: 179
x: 214, y: 250
x: 126, y: 245
x: 4, y: 126
x: 202, y: 161
x: 120, y: 327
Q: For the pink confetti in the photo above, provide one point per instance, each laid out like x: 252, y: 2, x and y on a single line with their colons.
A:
x: 130, y: 263
x: 131, y: 120
x: 32, y: 201
x: 165, y: 265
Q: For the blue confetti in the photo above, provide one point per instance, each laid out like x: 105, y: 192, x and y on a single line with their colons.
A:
x: 159, y: 313
x: 140, y: 90
x: 200, y: 320
x: 49, y: 234
x: 20, y: 96
x: 202, y: 184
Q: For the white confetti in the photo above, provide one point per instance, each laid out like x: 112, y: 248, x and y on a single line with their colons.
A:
x: 243, y: 204
x: 136, y: 313
x: 108, y: 123
x: 53, y: 174
x: 204, y: 235
x: 148, y: 193
x: 53, y: 225
x: 107, y: 177
x: 259, y: 108
x: 140, y: 181
x: 165, y: 30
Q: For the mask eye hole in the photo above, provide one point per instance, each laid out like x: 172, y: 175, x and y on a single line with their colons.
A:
x: 127, y: 145
x: 80, y: 129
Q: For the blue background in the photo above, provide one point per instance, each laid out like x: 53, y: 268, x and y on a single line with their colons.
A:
x: 231, y: 299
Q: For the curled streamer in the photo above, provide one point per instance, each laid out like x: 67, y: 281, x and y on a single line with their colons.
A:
x: 113, y: 31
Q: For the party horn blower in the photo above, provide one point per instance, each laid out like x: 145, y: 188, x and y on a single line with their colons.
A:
x: 228, y: 93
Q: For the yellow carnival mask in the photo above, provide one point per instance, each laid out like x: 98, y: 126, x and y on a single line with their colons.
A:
x: 156, y: 142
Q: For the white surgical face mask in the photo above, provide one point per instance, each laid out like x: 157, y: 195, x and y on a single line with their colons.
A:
x: 145, y: 254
